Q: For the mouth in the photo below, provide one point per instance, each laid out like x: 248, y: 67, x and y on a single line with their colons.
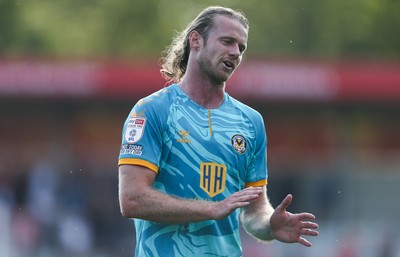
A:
x: 229, y: 65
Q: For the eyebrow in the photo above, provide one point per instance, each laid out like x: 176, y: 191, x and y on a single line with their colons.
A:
x: 242, y: 47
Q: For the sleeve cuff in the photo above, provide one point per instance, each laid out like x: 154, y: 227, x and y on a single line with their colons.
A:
x: 259, y: 183
x: 140, y: 162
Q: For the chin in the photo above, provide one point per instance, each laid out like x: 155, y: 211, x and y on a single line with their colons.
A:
x: 227, y: 77
x: 221, y: 77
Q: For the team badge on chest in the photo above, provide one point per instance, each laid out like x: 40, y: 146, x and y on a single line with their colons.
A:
x: 212, y: 178
x: 239, y: 143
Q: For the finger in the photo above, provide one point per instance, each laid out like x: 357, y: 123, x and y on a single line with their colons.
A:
x: 306, y: 216
x: 310, y: 225
x: 309, y: 232
x: 304, y: 242
x: 249, y: 190
x: 253, y: 192
x: 247, y: 198
x: 253, y: 189
x: 285, y: 203
x: 250, y: 196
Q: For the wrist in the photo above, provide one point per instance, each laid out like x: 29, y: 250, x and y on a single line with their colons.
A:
x: 259, y: 228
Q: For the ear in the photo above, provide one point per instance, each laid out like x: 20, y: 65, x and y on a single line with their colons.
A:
x: 195, y: 39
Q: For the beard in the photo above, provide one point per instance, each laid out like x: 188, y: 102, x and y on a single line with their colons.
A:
x: 215, y: 73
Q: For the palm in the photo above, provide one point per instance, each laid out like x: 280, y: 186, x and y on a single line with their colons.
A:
x: 289, y: 228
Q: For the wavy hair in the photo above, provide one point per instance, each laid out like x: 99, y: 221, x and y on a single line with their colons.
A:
x: 176, y: 55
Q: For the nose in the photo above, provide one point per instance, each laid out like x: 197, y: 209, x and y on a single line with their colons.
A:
x: 234, y: 51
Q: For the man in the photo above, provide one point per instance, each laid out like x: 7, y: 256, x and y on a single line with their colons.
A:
x: 193, y: 159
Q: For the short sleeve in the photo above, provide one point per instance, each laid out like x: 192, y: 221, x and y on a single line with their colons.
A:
x: 141, y: 137
x: 258, y: 171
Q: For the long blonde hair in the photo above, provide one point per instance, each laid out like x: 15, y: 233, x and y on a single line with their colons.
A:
x: 175, y: 59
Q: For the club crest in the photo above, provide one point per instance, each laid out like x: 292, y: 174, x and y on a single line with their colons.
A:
x: 239, y: 143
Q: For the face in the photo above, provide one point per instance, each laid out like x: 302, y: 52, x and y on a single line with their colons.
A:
x: 223, y: 51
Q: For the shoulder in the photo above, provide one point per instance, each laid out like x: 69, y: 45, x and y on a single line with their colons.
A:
x: 253, y: 115
x: 161, y: 97
x: 157, y: 102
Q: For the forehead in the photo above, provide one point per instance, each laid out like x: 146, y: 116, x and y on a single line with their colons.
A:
x: 229, y: 27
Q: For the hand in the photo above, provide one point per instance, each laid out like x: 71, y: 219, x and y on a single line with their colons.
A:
x: 289, y: 228
x: 237, y: 200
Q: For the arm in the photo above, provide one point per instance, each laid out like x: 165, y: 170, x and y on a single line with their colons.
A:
x: 138, y: 199
x: 261, y: 221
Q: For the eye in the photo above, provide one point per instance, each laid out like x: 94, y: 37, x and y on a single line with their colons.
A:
x: 233, y: 42
x: 242, y: 48
x: 227, y: 41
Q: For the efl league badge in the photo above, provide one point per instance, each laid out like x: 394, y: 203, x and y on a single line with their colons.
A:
x: 239, y: 143
x: 134, y: 130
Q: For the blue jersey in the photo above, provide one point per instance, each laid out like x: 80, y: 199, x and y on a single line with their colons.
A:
x: 197, y: 153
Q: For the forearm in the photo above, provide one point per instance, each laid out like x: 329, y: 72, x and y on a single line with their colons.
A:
x: 255, y: 219
x: 156, y: 206
x: 139, y: 199
x: 257, y: 226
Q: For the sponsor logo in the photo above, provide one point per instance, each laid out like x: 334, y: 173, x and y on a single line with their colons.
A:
x: 212, y: 178
x: 139, y: 121
x: 184, y: 134
x: 134, y: 130
x: 131, y: 149
x: 239, y: 143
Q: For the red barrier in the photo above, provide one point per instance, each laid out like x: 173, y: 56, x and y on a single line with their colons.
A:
x: 254, y: 80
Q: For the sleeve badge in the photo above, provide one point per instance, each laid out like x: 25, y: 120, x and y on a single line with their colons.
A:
x: 134, y: 130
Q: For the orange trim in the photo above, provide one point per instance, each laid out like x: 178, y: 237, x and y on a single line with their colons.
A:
x: 132, y: 161
x: 209, y: 121
x: 257, y: 183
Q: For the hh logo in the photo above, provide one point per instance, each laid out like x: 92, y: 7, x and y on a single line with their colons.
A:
x: 212, y: 178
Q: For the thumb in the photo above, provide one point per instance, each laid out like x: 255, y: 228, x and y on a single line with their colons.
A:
x: 285, y: 203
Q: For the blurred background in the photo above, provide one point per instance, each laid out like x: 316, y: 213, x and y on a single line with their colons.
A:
x: 324, y: 74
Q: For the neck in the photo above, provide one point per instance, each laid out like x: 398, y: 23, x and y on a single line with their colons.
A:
x: 203, y: 93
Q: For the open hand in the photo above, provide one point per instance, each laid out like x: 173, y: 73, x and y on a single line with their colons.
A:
x: 289, y: 228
